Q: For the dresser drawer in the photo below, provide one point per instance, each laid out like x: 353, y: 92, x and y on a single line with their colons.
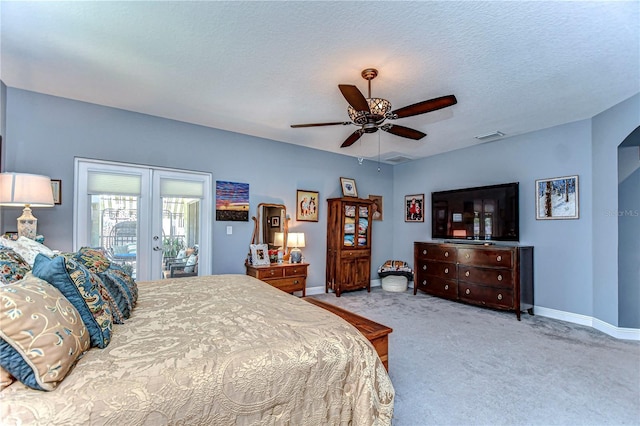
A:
x: 486, y: 296
x: 295, y: 271
x: 267, y: 273
x: 485, y: 257
x: 489, y: 276
x: 350, y: 254
x: 435, y: 252
x: 437, y: 269
x: 438, y: 286
x: 289, y: 285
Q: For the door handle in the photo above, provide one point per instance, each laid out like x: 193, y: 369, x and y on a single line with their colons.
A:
x: 156, y: 248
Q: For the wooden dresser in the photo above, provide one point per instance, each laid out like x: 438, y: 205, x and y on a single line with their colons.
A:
x: 495, y: 276
x: 374, y: 332
x: 288, y: 277
x: 348, y: 244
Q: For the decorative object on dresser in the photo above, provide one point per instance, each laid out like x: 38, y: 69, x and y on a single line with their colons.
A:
x: 288, y: 277
x: 375, y: 333
x: 259, y: 254
x: 295, y: 240
x: 26, y: 190
x: 348, y: 244
x: 499, y: 277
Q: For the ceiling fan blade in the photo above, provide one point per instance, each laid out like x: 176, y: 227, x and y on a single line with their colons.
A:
x: 354, y: 96
x: 352, y: 138
x: 425, y: 106
x: 344, y: 123
x: 405, y: 132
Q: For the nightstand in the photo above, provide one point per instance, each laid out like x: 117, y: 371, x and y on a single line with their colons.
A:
x: 288, y: 277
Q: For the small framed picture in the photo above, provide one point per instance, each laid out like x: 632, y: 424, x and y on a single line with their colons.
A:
x: 348, y: 187
x: 275, y: 221
x: 12, y: 235
x: 557, y: 198
x: 376, y: 206
x: 56, y: 187
x: 414, y: 208
x: 307, y: 205
x: 260, y: 254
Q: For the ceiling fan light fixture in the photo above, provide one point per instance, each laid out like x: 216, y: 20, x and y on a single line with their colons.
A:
x: 378, y: 108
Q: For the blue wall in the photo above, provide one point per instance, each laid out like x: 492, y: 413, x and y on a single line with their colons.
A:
x: 576, y: 261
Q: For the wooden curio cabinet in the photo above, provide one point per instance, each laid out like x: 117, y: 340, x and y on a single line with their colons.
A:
x: 348, y: 244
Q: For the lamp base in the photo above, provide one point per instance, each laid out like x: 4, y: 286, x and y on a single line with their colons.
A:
x: 295, y: 256
x: 27, y: 224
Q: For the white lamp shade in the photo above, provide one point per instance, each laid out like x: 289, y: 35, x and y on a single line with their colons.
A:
x: 295, y: 239
x: 278, y: 239
x: 20, y: 189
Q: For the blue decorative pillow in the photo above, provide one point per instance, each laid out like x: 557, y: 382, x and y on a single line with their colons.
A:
x: 41, y: 333
x: 13, y: 267
x: 83, y: 290
x: 118, y: 274
x: 94, y: 259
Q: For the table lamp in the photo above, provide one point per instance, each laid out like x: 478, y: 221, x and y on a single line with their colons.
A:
x: 24, y: 189
x: 295, y: 240
x: 278, y: 241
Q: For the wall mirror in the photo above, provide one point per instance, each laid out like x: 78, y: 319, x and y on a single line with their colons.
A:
x: 269, y: 219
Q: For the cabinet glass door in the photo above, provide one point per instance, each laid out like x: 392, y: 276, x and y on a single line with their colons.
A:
x: 349, y: 225
x: 363, y: 226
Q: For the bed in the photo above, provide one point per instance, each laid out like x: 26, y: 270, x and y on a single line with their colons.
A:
x: 217, y: 350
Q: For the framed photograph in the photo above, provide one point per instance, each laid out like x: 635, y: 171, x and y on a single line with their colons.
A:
x: 12, y: 235
x: 307, y: 205
x: 275, y: 221
x: 557, y: 198
x: 260, y: 254
x: 56, y: 187
x: 376, y: 206
x: 414, y: 208
x: 348, y: 187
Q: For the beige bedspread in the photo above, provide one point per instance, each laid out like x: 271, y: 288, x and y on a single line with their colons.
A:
x: 217, y: 350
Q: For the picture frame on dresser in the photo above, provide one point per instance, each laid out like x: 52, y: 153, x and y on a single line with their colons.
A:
x: 414, y: 208
x: 260, y: 254
x: 557, y: 198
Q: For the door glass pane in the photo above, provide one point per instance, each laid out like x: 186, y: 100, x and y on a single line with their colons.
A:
x: 180, y: 236
x: 114, y: 226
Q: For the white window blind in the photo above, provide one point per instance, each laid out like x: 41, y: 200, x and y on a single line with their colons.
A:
x: 100, y: 182
x: 181, y: 188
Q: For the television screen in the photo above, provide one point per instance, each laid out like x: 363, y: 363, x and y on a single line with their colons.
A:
x: 481, y: 213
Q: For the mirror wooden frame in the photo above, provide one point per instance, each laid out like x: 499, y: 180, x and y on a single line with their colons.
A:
x: 256, y: 237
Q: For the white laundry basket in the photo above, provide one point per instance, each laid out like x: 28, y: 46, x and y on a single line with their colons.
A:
x: 394, y: 283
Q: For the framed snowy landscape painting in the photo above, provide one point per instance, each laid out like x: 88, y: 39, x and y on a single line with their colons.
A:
x: 557, y: 198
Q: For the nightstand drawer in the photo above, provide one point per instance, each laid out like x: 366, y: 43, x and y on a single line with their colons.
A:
x: 265, y: 274
x: 295, y: 271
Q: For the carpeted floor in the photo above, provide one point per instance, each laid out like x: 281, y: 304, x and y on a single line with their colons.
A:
x: 456, y: 364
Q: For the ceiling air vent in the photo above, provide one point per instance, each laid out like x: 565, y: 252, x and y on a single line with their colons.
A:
x: 398, y: 159
x: 496, y: 134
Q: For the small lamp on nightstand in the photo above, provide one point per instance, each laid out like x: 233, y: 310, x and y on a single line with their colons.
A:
x: 295, y: 240
x: 26, y: 190
x: 278, y: 241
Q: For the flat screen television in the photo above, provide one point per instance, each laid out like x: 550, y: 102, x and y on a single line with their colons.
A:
x: 482, y: 213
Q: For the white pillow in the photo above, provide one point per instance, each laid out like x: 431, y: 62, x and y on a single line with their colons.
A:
x: 27, y: 248
x: 191, y: 262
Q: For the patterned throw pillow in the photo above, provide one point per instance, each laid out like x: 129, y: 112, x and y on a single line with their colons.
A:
x: 395, y: 267
x: 94, y: 259
x: 5, y: 378
x: 119, y: 295
x: 83, y: 290
x: 27, y: 248
x: 117, y: 273
x: 12, y: 266
x: 42, y: 334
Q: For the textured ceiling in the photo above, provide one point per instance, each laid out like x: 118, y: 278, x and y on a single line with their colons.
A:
x: 257, y: 67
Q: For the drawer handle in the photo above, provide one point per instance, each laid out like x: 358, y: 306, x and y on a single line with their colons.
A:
x: 272, y: 272
x: 446, y: 286
x: 466, y: 274
x: 499, y: 296
x: 446, y: 270
x: 295, y: 271
x: 466, y: 255
x: 499, y: 258
x: 424, y: 267
x: 467, y: 291
x: 424, y: 282
x: 296, y: 282
x: 424, y: 252
x: 446, y: 254
x: 500, y: 277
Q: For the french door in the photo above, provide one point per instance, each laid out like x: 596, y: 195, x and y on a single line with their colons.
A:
x: 144, y: 217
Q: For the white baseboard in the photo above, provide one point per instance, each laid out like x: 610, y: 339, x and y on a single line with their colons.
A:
x: 611, y: 330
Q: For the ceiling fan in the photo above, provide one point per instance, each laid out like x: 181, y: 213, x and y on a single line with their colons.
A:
x: 370, y: 113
